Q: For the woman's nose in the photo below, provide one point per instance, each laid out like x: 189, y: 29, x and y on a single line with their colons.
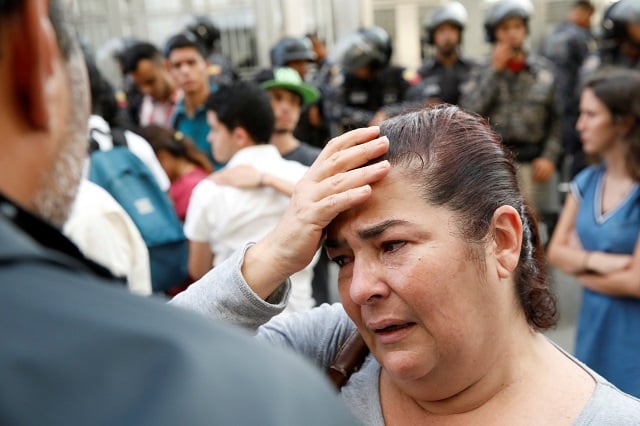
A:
x: 367, y: 283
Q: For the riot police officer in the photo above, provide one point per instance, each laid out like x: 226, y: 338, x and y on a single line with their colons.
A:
x: 365, y: 87
x: 221, y: 71
x: 567, y: 47
x: 298, y: 53
x: 620, y: 37
x: 515, y: 90
x: 293, y: 52
x: 442, y: 75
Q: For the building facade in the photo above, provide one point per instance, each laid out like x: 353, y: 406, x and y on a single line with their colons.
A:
x: 250, y: 27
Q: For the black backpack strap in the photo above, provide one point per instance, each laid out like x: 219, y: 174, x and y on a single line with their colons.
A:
x: 349, y: 359
x: 118, y: 136
x: 93, y: 143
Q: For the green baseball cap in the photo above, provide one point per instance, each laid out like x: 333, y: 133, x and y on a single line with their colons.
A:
x: 289, y: 79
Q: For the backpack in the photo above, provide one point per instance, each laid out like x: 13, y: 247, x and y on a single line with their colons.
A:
x: 121, y: 173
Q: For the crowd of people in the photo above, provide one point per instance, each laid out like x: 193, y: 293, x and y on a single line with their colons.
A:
x: 434, y: 194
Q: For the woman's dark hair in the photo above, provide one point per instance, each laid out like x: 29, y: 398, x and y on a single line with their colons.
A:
x: 459, y: 163
x: 175, y: 143
x: 103, y: 94
x: 619, y: 90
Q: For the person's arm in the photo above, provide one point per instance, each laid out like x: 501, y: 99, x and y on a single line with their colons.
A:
x: 603, y: 272
x: 545, y: 165
x: 281, y: 185
x: 200, y: 259
x: 624, y: 278
x: 202, y: 214
x: 245, y: 176
x: 337, y: 181
x: 564, y: 251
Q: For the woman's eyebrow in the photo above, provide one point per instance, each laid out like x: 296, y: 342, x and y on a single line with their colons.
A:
x: 367, y: 233
x: 375, y: 230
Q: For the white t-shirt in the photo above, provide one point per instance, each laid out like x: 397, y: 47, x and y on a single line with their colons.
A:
x: 227, y: 217
x: 105, y: 233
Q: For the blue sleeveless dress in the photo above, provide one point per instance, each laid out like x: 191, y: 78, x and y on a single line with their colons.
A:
x: 608, y: 329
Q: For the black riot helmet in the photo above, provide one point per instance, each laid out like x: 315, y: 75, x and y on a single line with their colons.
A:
x: 379, y: 40
x: 505, y: 9
x: 617, y: 16
x: 289, y: 49
x: 353, y: 52
x: 451, y: 13
x: 207, y: 33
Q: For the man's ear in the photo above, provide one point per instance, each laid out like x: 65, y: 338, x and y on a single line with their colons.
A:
x: 507, y: 240
x: 241, y: 137
x: 34, y: 47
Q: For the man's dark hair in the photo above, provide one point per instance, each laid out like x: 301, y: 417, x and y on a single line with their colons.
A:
x: 62, y: 26
x: 8, y: 6
x: 103, y: 95
x: 584, y: 4
x: 244, y: 104
x: 139, y: 52
x: 183, y: 40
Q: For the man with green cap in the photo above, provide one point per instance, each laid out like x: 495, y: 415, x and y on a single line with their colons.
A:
x: 288, y: 94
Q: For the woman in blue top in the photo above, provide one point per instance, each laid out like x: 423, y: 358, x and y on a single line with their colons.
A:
x: 596, y: 238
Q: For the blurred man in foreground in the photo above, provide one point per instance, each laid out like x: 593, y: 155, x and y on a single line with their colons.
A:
x: 76, y: 349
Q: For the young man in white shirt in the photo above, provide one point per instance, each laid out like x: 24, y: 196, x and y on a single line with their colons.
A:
x: 221, y: 219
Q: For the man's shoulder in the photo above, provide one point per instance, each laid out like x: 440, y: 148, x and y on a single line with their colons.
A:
x: 294, y: 164
x: 206, y: 189
x: 304, y: 154
x: 154, y: 363
x: 468, y: 61
x: 185, y: 366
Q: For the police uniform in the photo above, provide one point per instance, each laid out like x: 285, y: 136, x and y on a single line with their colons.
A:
x: 521, y: 108
x: 221, y: 71
x: 567, y: 47
x: 439, y: 82
x: 352, y: 101
x: 614, y: 33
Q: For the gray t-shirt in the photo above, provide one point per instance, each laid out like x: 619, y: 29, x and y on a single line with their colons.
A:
x: 304, y: 154
x: 318, y: 334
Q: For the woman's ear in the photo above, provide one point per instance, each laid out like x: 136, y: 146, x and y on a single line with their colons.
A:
x: 507, y: 239
x: 628, y: 122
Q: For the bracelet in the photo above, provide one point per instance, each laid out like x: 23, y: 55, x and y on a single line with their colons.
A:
x: 585, y: 261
